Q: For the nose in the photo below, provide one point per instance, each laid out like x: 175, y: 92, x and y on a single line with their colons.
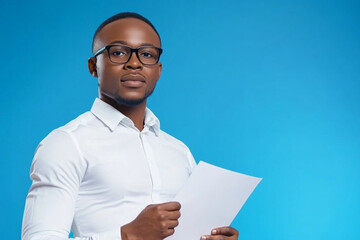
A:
x: 133, y: 63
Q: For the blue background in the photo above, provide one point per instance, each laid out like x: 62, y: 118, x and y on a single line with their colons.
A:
x: 266, y: 88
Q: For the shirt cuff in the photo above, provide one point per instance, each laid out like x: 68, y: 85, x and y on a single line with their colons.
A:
x: 114, y: 234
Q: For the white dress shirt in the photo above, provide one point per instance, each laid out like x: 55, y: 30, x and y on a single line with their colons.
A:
x: 98, y: 172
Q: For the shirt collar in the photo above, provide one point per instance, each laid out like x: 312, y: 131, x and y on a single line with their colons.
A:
x: 151, y: 121
x: 111, y: 117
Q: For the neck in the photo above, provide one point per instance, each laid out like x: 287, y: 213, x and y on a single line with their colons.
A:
x: 135, y: 113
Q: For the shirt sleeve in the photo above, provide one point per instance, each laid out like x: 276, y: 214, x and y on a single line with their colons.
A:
x: 191, y: 160
x: 56, y: 172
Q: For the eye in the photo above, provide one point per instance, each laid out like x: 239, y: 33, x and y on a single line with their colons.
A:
x: 147, y: 55
x: 118, y: 53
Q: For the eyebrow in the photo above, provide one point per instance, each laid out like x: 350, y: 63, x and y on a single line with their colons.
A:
x: 125, y: 43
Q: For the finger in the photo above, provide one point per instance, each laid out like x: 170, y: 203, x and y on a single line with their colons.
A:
x: 168, y: 232
x: 166, y: 215
x: 172, y: 215
x: 217, y: 237
x: 205, y: 237
x: 170, y: 206
x: 172, y: 224
x: 226, y: 231
x: 169, y: 228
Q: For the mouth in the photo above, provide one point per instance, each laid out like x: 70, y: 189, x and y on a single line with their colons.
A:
x: 133, y: 80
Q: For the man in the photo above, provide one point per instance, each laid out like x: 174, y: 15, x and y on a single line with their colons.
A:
x: 111, y: 172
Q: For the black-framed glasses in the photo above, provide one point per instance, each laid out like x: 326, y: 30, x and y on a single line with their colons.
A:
x: 118, y: 53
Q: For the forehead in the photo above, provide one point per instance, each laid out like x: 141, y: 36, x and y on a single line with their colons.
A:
x: 131, y: 31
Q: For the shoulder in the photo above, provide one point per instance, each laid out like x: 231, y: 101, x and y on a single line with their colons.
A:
x: 83, y: 120
x: 62, y: 138
x: 178, y: 145
x: 67, y: 134
x: 60, y: 149
x: 171, y: 140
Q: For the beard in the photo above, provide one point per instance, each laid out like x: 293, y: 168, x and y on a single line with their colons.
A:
x: 132, y: 102
x: 118, y: 100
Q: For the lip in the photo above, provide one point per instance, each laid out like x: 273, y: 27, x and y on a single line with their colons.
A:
x: 133, y: 80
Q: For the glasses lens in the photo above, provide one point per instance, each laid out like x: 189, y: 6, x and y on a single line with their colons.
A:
x: 119, y: 54
x: 149, y: 55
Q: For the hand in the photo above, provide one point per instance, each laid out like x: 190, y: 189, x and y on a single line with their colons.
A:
x: 222, y: 233
x: 155, y: 222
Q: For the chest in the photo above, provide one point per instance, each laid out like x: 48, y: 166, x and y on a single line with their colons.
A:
x: 137, y: 166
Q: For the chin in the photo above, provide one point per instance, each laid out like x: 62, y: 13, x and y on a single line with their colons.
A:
x: 133, y: 101
x: 129, y: 101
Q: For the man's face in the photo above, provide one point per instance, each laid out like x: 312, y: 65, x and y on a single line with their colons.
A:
x: 132, y: 82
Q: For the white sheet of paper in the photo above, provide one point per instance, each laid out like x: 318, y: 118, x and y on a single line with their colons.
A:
x: 212, y: 197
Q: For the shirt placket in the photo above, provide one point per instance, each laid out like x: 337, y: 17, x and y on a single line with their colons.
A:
x: 154, y: 170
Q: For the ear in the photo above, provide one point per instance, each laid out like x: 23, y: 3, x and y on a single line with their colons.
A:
x: 160, y: 68
x: 92, y: 66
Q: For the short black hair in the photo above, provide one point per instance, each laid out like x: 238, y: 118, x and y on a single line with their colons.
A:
x: 121, y: 16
